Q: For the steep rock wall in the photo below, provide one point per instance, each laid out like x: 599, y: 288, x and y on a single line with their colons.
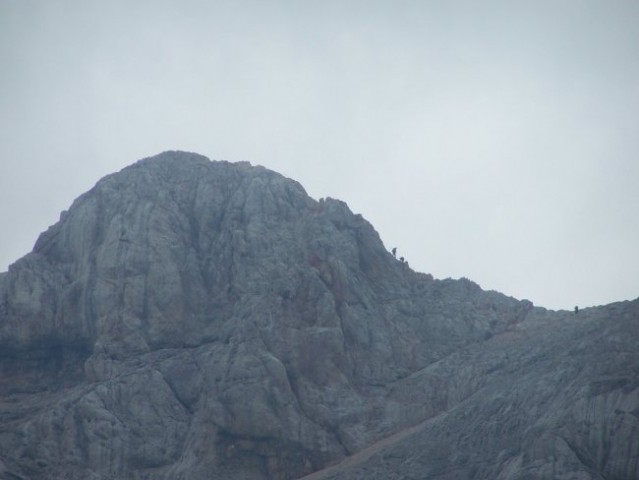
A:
x: 196, y: 319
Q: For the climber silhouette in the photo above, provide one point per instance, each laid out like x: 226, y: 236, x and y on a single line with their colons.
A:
x: 394, y: 252
x: 576, y: 309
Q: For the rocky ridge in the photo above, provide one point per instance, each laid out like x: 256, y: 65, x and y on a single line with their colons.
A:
x: 191, y: 319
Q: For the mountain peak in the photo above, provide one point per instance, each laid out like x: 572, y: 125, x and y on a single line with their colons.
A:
x: 189, y: 318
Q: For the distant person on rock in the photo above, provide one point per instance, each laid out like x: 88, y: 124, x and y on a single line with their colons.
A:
x: 576, y: 309
x: 394, y: 252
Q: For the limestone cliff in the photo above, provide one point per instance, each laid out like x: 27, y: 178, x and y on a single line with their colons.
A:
x: 189, y: 319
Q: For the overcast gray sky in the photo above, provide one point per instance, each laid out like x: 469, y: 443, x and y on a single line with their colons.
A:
x: 492, y: 140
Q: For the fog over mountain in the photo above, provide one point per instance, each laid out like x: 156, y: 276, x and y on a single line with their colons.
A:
x: 196, y: 319
x: 494, y: 140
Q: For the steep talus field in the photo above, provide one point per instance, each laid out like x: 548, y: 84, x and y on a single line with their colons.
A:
x: 189, y: 319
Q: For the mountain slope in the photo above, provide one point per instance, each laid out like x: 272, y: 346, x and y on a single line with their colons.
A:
x: 191, y: 319
x: 555, y: 397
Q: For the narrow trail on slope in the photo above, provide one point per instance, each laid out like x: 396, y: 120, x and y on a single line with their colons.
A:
x: 363, y: 455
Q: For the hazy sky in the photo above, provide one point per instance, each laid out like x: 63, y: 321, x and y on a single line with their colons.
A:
x: 493, y: 140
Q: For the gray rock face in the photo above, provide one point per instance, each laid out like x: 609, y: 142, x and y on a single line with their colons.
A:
x: 189, y: 319
x: 556, y: 396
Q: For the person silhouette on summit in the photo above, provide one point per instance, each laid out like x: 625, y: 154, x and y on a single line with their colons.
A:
x: 394, y: 252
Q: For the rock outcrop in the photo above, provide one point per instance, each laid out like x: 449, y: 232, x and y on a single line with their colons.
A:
x: 189, y: 319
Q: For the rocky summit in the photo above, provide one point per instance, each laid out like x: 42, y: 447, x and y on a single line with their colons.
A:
x: 193, y: 319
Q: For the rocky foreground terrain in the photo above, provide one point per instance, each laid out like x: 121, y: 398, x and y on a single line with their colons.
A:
x: 189, y: 319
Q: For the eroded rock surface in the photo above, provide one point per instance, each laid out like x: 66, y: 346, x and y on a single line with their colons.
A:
x: 189, y: 319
